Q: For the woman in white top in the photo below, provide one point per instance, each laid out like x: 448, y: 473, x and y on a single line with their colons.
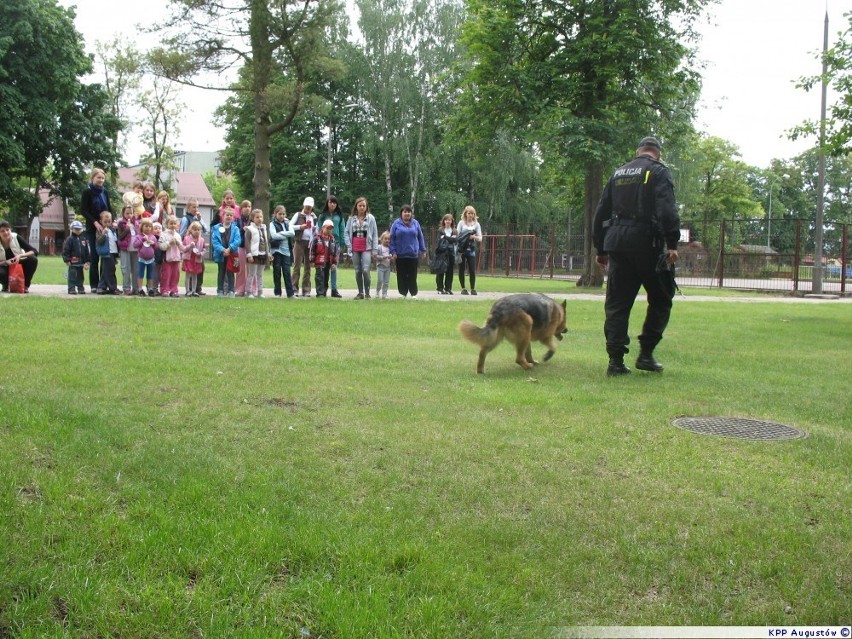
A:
x: 469, y: 235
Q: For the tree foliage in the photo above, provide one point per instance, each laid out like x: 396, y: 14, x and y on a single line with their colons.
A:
x: 838, y: 64
x: 585, y: 79
x: 275, y: 47
x: 50, y: 123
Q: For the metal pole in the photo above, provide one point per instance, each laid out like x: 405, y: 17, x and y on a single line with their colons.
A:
x: 769, y: 218
x: 816, y: 286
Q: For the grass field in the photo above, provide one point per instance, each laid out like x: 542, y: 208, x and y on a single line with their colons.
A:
x: 319, y: 468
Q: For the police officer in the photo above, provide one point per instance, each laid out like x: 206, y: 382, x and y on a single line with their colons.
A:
x: 636, y: 230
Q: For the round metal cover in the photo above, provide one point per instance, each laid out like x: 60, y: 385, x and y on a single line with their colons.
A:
x: 738, y: 428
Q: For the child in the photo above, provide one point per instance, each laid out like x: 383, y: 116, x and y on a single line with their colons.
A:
x: 193, y: 258
x: 280, y: 238
x: 145, y: 242
x: 149, y: 202
x: 193, y: 215
x: 257, y: 252
x: 226, y: 241
x: 323, y: 255
x: 107, y: 250
x: 242, y: 221
x: 158, y: 260
x: 383, y: 265
x: 127, y: 251
x: 172, y: 247
x: 75, y: 253
x: 164, y: 209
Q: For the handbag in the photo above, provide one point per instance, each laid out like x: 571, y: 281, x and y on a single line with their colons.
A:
x: 16, y: 278
x: 232, y: 263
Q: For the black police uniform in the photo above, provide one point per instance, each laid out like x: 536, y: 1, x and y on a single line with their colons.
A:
x: 635, y: 222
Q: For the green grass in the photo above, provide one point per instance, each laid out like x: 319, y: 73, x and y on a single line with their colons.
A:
x: 264, y: 468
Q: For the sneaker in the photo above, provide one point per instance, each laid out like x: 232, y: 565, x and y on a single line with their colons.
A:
x: 173, y: 294
x: 72, y: 292
x: 250, y: 295
x: 260, y: 296
x: 440, y: 291
x: 82, y: 291
x: 448, y: 292
x: 384, y: 296
x: 464, y: 291
x: 473, y: 291
x: 200, y: 293
x: 414, y: 297
x: 232, y: 294
x: 360, y: 296
x: 367, y: 296
x: 335, y: 293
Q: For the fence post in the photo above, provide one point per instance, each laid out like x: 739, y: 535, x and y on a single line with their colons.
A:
x: 552, y: 248
x: 797, y: 255
x: 843, y: 262
x: 506, y: 251
x: 722, y: 255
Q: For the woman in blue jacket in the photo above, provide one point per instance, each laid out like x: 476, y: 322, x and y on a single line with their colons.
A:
x: 407, y: 245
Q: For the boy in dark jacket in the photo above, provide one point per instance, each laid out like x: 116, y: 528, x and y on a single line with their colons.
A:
x: 76, y: 254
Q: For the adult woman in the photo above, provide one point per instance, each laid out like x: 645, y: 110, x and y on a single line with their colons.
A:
x: 445, y: 255
x: 362, y: 240
x: 15, y: 250
x: 469, y: 234
x: 94, y: 201
x: 406, y: 245
x: 331, y: 211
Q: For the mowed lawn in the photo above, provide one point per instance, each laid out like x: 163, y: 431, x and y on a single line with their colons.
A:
x: 326, y: 468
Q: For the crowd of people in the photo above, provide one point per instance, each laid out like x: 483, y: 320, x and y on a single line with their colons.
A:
x: 150, y: 246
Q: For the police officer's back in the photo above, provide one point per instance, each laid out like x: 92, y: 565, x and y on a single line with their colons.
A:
x: 636, y: 223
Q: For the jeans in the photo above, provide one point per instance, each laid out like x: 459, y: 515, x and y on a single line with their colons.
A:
x: 281, y: 266
x: 75, y: 278
x: 107, y: 281
x: 361, y: 261
x: 225, y: 283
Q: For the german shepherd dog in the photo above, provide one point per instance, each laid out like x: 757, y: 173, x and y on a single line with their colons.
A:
x: 519, y: 318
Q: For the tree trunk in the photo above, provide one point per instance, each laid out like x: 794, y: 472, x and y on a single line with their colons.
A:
x: 592, y: 275
x: 388, y: 183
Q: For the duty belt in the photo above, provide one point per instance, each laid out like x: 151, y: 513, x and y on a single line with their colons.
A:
x: 628, y: 221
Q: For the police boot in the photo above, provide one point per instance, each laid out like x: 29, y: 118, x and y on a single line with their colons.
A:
x: 646, y: 362
x: 616, y: 367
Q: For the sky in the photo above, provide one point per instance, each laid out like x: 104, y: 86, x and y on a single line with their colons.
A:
x: 753, y: 52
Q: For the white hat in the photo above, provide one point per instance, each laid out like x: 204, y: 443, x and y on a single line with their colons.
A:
x: 309, y: 201
x: 327, y: 223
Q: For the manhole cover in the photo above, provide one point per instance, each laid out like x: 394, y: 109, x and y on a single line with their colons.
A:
x: 738, y: 428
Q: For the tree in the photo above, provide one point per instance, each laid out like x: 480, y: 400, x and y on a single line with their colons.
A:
x: 50, y: 121
x: 277, y: 46
x: 838, y: 64
x: 161, y: 113
x: 122, y: 66
x: 585, y: 79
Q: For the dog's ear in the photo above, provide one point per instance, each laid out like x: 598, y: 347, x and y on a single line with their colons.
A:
x: 565, y: 306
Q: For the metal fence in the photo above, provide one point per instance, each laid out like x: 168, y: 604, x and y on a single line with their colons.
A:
x: 738, y: 256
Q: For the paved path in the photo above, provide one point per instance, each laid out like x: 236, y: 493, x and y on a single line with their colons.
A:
x: 59, y: 290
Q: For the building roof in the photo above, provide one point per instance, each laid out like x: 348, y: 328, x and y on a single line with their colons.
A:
x: 51, y: 215
x: 186, y: 186
x: 192, y: 185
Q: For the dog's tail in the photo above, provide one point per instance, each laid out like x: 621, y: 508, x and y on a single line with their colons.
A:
x: 486, y: 337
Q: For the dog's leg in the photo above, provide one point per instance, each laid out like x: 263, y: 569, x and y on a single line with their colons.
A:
x: 551, y: 347
x: 523, y: 337
x: 480, y: 365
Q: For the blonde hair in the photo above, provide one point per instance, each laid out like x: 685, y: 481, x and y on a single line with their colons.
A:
x: 245, y: 203
x: 195, y: 226
x: 171, y: 220
x: 469, y: 209
x: 146, y: 222
x: 384, y: 235
x: 255, y: 212
x: 97, y: 171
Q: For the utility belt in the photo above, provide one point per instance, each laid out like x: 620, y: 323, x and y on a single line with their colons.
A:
x: 626, y: 221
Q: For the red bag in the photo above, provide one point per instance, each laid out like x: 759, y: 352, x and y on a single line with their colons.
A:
x: 232, y: 263
x: 16, y: 278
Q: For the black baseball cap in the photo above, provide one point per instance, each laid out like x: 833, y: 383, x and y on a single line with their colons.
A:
x: 650, y: 142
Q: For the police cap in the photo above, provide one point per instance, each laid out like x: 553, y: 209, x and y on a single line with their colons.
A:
x: 649, y: 142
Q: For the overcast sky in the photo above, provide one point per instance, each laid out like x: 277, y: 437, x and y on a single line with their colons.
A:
x: 754, y: 51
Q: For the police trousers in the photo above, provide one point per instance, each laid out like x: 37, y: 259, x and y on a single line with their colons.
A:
x: 627, y: 273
